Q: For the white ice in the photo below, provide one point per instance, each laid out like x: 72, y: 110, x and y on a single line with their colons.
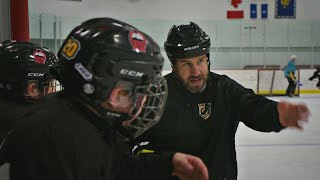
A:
x: 291, y: 154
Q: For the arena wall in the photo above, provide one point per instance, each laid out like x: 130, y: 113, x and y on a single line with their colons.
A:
x: 249, y: 79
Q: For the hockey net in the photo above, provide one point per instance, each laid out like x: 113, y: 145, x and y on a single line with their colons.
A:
x: 271, y: 82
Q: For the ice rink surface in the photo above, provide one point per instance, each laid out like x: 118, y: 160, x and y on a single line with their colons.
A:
x: 288, y: 155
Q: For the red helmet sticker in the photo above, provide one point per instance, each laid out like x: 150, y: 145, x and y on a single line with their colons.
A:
x: 39, y: 56
x: 137, y: 41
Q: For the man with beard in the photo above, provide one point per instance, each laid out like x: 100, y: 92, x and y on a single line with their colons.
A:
x: 204, y: 109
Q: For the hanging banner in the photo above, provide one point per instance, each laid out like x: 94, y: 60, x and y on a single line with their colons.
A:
x: 264, y: 11
x: 285, y: 9
x: 253, y: 11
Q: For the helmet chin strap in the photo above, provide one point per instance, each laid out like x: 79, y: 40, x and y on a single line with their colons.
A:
x: 115, y: 120
x: 96, y: 108
x: 208, y: 56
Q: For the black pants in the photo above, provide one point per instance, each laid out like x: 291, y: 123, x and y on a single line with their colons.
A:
x: 291, y: 87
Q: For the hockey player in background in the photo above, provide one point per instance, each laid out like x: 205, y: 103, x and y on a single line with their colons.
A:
x: 113, y: 92
x: 316, y: 74
x: 24, y: 78
x: 204, y: 109
x: 289, y: 73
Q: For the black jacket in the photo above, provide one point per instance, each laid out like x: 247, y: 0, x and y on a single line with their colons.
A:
x: 205, y: 124
x: 62, y: 140
x: 11, y: 110
x: 316, y: 74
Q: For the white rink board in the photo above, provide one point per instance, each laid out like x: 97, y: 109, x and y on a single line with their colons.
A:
x: 249, y: 78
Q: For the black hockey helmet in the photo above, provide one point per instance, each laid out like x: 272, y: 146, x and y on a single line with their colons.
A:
x: 185, y: 41
x: 100, y: 53
x: 22, y: 63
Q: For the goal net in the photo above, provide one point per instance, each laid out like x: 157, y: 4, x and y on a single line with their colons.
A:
x: 271, y: 82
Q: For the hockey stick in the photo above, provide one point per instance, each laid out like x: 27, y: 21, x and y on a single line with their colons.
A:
x: 301, y: 84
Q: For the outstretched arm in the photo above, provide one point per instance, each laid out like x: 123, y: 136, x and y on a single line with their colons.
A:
x: 315, y: 74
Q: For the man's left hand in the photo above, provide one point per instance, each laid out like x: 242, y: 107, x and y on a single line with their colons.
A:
x: 188, y: 167
x: 293, y: 115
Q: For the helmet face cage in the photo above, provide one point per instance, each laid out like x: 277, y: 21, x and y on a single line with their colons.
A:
x: 40, y: 88
x: 156, y: 95
x: 50, y: 86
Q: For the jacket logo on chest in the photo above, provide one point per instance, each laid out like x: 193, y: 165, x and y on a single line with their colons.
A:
x: 204, y: 110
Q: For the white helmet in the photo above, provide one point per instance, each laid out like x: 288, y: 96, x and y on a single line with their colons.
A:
x: 293, y: 56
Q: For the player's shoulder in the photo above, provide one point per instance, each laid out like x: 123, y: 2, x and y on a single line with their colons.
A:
x: 52, y: 101
x: 170, y: 79
x: 215, y: 77
x: 223, y: 81
x: 50, y: 110
x: 168, y: 76
x: 13, y: 109
x: 48, y: 107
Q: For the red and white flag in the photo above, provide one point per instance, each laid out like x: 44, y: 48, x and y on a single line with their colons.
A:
x: 236, y: 12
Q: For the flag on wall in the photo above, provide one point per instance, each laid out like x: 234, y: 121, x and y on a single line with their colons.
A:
x: 264, y: 11
x: 285, y: 9
x: 253, y: 11
x: 236, y: 12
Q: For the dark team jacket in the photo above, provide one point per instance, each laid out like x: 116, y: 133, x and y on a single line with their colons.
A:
x: 11, y: 110
x: 205, y: 124
x: 61, y: 140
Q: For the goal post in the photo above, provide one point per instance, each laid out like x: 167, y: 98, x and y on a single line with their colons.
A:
x: 272, y: 82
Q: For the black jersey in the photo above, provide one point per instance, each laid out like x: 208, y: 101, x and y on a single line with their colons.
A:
x: 62, y: 140
x: 316, y: 74
x: 11, y: 111
x: 204, y: 124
